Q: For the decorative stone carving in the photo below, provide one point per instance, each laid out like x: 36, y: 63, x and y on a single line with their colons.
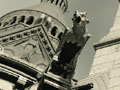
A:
x: 32, y: 37
x: 72, y: 44
x: 28, y: 50
x: 22, y: 80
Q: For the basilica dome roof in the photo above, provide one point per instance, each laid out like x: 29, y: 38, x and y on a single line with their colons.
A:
x: 50, y: 9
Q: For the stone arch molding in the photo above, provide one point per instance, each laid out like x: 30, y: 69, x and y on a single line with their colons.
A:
x: 30, y: 18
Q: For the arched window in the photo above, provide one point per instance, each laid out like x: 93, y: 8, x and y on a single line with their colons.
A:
x: 13, y: 20
x: 61, y: 2
x: 52, y: 1
x: 0, y: 23
x: 53, y: 30
x: 21, y: 19
x: 30, y: 20
x: 65, y: 8
x: 38, y: 21
x: 57, y: 2
x: 60, y: 35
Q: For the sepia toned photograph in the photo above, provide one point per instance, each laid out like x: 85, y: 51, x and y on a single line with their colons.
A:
x: 59, y: 45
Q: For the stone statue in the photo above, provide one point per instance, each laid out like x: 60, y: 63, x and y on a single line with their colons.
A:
x: 72, y: 44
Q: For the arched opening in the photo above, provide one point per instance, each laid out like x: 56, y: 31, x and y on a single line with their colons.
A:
x: 38, y: 21
x: 5, y: 40
x: 0, y: 24
x: 60, y: 35
x: 21, y: 19
x: 61, y: 2
x: 13, y: 20
x: 57, y: 2
x: 30, y: 20
x: 19, y: 36
x: 52, y: 1
x: 53, y: 30
x: 63, y: 6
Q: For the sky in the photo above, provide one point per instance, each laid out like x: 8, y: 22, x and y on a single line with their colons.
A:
x: 101, y: 14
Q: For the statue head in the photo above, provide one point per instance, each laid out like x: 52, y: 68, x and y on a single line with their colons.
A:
x: 80, y: 17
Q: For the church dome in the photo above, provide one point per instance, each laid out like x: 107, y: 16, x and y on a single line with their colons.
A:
x: 54, y: 8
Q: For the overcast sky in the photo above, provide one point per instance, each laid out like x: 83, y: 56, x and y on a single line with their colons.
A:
x: 100, y: 12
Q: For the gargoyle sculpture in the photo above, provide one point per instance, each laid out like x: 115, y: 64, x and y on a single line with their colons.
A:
x: 72, y: 44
